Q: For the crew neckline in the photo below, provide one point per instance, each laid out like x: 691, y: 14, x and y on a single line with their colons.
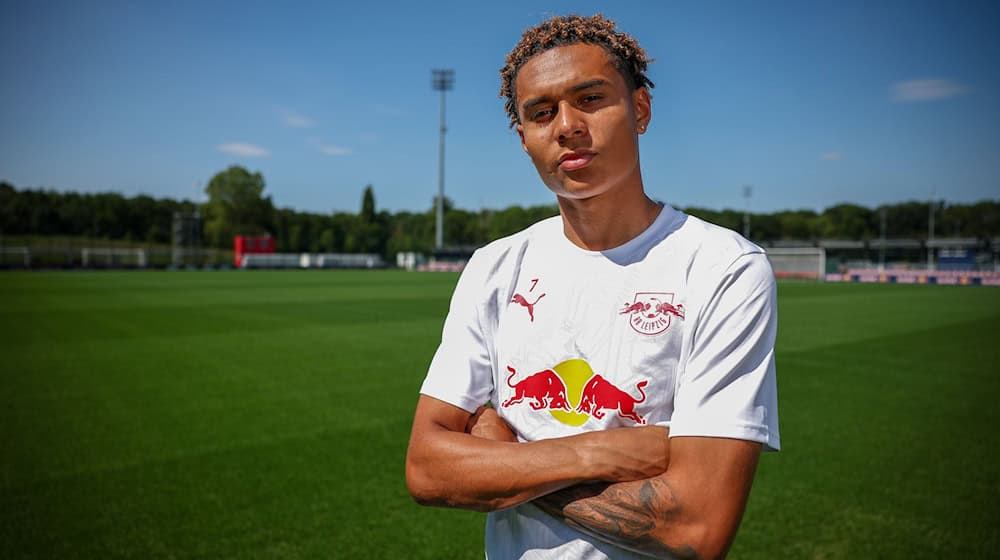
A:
x: 621, y: 252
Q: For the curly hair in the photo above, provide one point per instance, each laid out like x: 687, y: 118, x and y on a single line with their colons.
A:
x: 626, y: 54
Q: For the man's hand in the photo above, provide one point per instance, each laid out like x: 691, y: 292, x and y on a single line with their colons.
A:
x: 690, y: 511
x: 487, y: 424
x: 473, y: 461
x: 640, y: 508
x: 447, y: 466
x: 623, y: 454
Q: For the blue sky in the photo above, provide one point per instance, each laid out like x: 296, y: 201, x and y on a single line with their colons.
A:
x: 812, y: 103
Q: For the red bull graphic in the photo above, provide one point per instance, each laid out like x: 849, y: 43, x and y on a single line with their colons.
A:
x: 675, y: 310
x: 572, y: 393
x: 650, y: 312
x: 544, y: 389
x: 600, y: 394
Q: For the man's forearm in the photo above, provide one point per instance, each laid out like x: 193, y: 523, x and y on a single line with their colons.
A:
x: 458, y: 470
x: 446, y: 466
x: 627, y: 514
x: 692, y: 510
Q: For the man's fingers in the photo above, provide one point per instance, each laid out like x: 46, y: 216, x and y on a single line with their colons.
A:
x: 474, y: 419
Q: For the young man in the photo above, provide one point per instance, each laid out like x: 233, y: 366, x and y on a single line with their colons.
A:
x: 627, y: 348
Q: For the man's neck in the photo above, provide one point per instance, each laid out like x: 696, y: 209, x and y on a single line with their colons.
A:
x: 607, y: 221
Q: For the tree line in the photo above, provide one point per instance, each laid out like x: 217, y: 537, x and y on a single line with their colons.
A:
x: 237, y: 204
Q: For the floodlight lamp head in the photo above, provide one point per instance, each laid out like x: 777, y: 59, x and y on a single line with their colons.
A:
x: 442, y: 80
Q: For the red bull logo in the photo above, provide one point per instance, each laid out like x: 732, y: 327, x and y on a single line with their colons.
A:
x: 650, y: 312
x: 573, y: 393
x: 600, y: 394
x: 543, y: 390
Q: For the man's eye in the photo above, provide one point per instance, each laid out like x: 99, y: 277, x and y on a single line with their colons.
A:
x: 539, y: 115
x: 591, y: 98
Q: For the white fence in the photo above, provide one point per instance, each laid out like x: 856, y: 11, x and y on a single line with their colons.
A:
x: 107, y: 256
x: 307, y: 260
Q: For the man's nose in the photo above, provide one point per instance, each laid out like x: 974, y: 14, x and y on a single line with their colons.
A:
x: 570, y: 122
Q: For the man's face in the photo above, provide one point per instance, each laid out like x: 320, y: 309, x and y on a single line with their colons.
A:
x: 580, y: 121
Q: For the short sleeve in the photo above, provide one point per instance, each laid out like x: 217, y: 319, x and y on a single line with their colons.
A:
x: 461, y: 372
x: 727, y: 387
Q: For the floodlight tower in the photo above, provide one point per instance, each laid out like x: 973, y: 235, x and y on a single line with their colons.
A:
x: 441, y: 80
x: 882, y: 242
x: 930, y: 232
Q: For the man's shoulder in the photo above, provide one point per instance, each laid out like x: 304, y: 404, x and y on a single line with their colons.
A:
x: 713, y: 243
x: 711, y: 253
x: 510, y: 247
x: 492, y: 268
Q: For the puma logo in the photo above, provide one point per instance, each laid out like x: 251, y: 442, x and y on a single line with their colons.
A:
x: 530, y: 306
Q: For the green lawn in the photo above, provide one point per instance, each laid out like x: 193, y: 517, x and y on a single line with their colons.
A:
x: 266, y: 414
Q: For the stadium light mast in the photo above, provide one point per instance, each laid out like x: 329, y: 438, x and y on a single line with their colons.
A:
x: 747, y: 193
x: 882, y: 241
x: 930, y: 232
x: 441, y: 80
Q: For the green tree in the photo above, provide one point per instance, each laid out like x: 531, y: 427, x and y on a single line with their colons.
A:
x: 326, y: 241
x: 236, y: 206
x: 369, y: 231
x: 980, y: 219
x: 848, y: 221
x: 368, y: 205
x: 907, y: 219
x: 507, y: 221
x: 411, y: 232
x: 793, y: 224
x: 731, y: 219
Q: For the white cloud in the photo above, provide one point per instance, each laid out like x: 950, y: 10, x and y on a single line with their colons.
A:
x: 243, y: 149
x: 925, y: 90
x: 295, y: 120
x: 831, y: 156
x: 333, y: 150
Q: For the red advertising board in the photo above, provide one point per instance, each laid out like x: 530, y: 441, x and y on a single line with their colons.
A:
x: 250, y: 245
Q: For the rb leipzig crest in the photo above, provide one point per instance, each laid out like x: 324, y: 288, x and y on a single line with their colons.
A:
x: 650, y: 312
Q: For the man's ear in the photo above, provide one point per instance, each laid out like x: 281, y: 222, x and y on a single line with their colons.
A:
x: 642, y: 106
x: 520, y: 133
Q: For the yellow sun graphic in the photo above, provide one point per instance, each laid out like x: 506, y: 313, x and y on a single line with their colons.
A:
x: 575, y: 373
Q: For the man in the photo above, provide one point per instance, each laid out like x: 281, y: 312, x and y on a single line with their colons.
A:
x: 627, y: 348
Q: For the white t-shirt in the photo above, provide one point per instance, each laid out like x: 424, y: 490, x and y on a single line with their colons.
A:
x: 674, y: 328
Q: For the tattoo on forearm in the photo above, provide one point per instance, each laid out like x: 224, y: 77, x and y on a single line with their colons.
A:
x: 625, y: 514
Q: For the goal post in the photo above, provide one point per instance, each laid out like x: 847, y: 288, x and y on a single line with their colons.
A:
x: 807, y: 263
x: 22, y: 254
x: 109, y: 257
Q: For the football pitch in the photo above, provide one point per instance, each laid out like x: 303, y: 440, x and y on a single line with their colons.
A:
x: 266, y: 415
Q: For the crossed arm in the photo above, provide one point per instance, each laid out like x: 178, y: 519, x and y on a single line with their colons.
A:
x: 690, y: 511
x: 633, y: 487
x: 447, y: 466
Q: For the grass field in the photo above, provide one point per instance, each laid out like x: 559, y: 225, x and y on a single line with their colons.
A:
x: 266, y: 415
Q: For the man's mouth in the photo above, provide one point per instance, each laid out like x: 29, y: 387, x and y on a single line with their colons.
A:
x: 575, y: 160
